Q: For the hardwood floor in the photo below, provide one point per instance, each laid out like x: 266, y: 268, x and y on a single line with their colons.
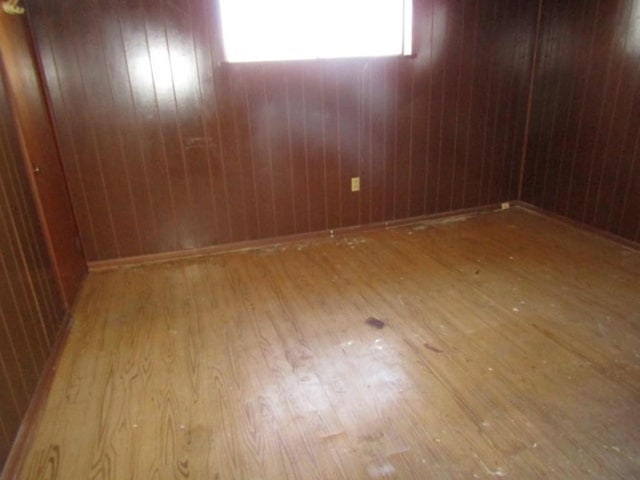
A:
x: 504, y: 345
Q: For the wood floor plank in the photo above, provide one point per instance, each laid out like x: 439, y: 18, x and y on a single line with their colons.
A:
x: 501, y: 345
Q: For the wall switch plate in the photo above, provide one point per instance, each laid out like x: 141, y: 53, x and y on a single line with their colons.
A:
x: 355, y: 184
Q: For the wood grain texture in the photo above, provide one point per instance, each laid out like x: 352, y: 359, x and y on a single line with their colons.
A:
x: 505, y: 345
x: 31, y: 307
x: 168, y: 148
x: 583, y: 143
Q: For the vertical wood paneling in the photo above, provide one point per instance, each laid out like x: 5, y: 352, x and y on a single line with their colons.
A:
x: 168, y: 148
x: 582, y: 148
x: 39, y: 148
x: 30, y: 305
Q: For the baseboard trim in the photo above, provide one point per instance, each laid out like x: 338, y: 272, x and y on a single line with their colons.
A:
x: 125, y: 262
x: 576, y: 224
x: 24, y: 437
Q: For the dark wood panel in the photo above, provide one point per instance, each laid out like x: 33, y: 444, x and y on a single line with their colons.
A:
x: 31, y: 306
x: 41, y: 152
x: 583, y: 147
x: 167, y: 147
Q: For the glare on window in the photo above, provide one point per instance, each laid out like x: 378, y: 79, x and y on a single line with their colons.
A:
x: 259, y: 30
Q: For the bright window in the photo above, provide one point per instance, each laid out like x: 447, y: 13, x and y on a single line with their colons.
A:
x: 261, y: 30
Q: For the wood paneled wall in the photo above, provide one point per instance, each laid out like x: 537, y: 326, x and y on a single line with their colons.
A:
x: 166, y: 147
x: 23, y: 86
x: 31, y: 307
x: 583, y: 156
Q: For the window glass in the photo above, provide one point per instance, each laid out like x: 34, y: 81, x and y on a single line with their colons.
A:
x: 260, y: 30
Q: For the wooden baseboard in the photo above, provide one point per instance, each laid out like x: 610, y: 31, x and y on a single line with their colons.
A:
x: 277, y: 241
x: 576, y: 224
x: 36, y: 406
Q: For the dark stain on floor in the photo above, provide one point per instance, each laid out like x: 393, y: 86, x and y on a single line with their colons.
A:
x: 375, y: 323
x: 432, y: 348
